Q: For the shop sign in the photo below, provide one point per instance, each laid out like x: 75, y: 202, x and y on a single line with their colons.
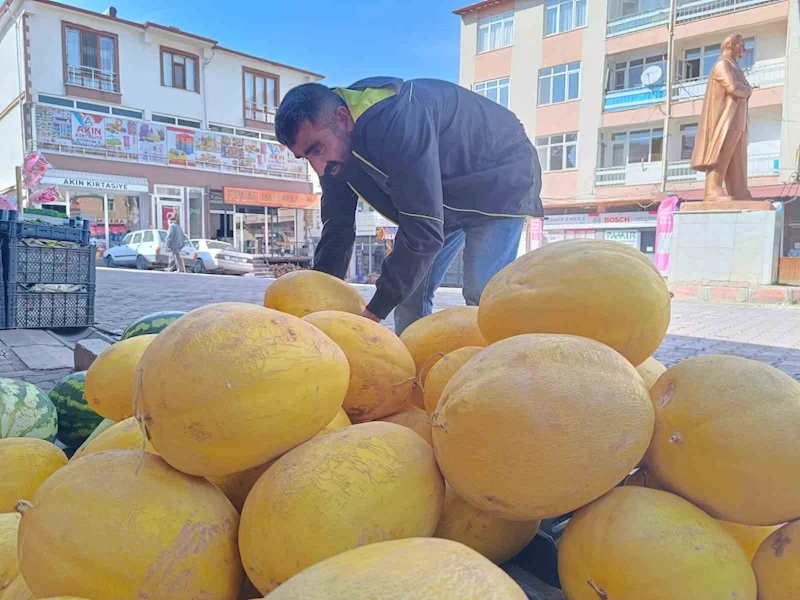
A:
x: 386, y: 233
x: 94, y: 184
x: 247, y: 197
x: 630, y: 238
x: 551, y: 220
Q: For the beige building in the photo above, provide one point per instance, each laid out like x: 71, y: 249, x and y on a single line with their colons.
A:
x: 611, y: 91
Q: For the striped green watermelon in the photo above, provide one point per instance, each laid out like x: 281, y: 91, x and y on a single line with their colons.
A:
x: 26, y: 411
x: 152, y: 323
x: 76, y: 420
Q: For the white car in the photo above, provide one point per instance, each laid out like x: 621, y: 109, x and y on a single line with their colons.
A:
x: 143, y: 249
x: 213, y: 256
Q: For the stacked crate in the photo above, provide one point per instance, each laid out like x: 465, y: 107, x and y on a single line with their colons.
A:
x: 48, y: 274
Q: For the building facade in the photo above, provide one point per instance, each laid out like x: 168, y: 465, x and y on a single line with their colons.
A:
x: 611, y: 92
x: 142, y: 120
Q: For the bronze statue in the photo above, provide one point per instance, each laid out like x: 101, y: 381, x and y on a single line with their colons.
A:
x: 721, y: 145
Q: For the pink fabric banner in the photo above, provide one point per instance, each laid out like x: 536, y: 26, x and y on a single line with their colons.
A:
x: 664, y: 226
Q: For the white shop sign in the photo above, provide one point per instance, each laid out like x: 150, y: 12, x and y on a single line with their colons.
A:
x: 601, y: 220
x: 94, y: 184
x: 552, y: 220
x: 629, y: 238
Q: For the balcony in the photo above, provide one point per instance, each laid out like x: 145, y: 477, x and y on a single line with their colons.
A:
x: 635, y: 97
x: 764, y: 76
x: 758, y: 165
x: 693, y: 10
x: 260, y: 112
x: 637, y: 22
x: 93, y: 79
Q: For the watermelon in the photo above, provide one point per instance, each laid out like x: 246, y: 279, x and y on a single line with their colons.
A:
x: 153, y: 323
x: 76, y: 420
x: 26, y: 411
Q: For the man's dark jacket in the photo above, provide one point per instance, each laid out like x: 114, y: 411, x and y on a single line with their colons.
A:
x: 425, y: 158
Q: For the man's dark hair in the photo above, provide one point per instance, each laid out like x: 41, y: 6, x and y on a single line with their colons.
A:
x: 308, y: 102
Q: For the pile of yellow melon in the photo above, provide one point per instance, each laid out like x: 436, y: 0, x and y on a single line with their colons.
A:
x: 298, y: 450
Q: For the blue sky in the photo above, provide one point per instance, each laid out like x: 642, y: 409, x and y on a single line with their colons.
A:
x: 343, y: 40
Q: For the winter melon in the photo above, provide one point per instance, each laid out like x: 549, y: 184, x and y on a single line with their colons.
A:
x: 726, y: 438
x: 26, y: 411
x: 9, y: 564
x: 497, y: 539
x: 382, y: 373
x: 18, y: 590
x: 777, y: 564
x: 650, y: 370
x: 281, y: 381
x: 76, y: 421
x: 597, y: 289
x: 304, y: 292
x: 441, y: 373
x: 125, y: 435
x: 25, y: 463
x: 155, y: 533
x: 359, y: 485
x: 411, y: 569
x: 109, y: 385
x: 415, y: 419
x: 635, y: 542
x: 152, y: 324
x: 538, y: 425
x: 748, y: 536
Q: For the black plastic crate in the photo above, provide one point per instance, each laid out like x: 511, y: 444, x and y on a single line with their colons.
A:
x: 74, y: 231
x: 45, y: 264
x: 48, y: 310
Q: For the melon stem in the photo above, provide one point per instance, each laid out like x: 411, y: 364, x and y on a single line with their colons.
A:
x: 23, y: 506
x: 601, y: 593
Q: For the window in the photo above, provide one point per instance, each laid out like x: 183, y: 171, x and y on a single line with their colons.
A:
x: 749, y: 58
x: 221, y: 129
x: 219, y: 246
x: 496, y: 32
x: 110, y: 205
x: 162, y: 235
x: 57, y: 101
x: 245, y: 133
x: 93, y: 107
x: 628, y: 74
x: 559, y: 84
x: 497, y: 90
x: 179, y: 70
x: 699, y: 61
x: 163, y: 119
x: 127, y: 239
x: 688, y: 136
x: 645, y: 145
x: 148, y: 237
x: 564, y: 15
x: 137, y: 238
x: 260, y: 96
x: 189, y: 123
x: 124, y: 112
x: 91, y: 58
x: 558, y: 152
x: 618, y: 141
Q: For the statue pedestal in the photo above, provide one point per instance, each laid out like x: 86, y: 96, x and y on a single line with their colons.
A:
x: 730, y: 242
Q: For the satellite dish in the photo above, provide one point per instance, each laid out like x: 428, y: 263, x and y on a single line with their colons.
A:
x: 652, y: 75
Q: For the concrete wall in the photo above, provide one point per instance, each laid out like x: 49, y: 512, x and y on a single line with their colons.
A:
x: 735, y: 247
x: 11, y: 150
x: 12, y: 85
x: 11, y: 77
x: 790, y: 127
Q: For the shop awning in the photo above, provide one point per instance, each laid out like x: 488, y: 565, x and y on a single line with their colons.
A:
x: 98, y: 182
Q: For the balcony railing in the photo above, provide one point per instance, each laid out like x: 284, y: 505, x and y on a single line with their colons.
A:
x: 644, y: 20
x: 693, y: 10
x: 766, y: 75
x: 758, y: 165
x: 636, y: 97
x: 94, y: 79
x: 260, y: 112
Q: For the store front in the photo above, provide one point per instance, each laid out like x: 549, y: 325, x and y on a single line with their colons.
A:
x: 187, y: 204
x: 112, y: 204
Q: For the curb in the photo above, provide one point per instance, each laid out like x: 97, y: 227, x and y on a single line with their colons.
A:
x: 785, y: 295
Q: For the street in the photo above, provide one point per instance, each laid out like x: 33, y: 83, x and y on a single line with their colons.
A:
x: 763, y: 332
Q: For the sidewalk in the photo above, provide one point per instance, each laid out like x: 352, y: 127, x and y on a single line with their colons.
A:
x: 739, y: 293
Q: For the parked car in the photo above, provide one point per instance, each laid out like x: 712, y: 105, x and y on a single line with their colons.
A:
x: 144, y: 249
x: 213, y: 256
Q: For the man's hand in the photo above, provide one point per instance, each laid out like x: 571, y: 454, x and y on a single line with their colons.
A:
x: 366, y: 313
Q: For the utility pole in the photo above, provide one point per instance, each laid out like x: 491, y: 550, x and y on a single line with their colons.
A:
x: 673, y: 11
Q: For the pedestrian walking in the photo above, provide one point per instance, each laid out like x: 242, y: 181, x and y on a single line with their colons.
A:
x: 176, y: 240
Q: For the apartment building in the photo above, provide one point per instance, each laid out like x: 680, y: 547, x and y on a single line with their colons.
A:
x: 141, y: 120
x: 611, y: 91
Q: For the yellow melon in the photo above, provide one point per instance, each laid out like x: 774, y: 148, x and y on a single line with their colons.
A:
x: 109, y: 385
x: 25, y: 463
x: 644, y: 477
x: 441, y: 373
x: 430, y: 338
x: 9, y: 565
x: 340, y: 421
x: 636, y: 542
x: 304, y: 292
x: 231, y: 386
x: 412, y: 569
x: 155, y: 534
x: 497, y: 539
x: 538, y: 425
x: 598, y: 289
x: 359, y: 485
x: 415, y: 419
x: 748, y: 536
x: 777, y: 564
x: 18, y: 590
x: 650, y: 370
x: 63, y: 598
x: 382, y: 373
x: 125, y: 435
x: 726, y: 438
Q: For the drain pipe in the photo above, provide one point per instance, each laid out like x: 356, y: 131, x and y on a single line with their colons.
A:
x: 673, y: 9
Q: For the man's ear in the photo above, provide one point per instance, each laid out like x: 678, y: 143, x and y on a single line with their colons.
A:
x: 344, y: 119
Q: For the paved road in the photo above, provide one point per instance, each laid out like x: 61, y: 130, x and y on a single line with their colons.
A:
x: 767, y: 333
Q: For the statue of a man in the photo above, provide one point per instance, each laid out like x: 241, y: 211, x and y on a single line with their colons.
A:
x: 721, y: 145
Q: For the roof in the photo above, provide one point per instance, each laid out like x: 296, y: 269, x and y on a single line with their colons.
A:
x: 476, y: 6
x: 148, y: 25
